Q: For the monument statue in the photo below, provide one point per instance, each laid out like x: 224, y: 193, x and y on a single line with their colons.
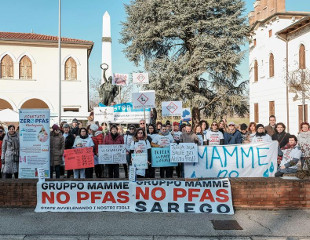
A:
x: 107, y: 92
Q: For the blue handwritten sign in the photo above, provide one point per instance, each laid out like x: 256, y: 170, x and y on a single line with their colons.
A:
x: 243, y: 160
x: 161, y: 157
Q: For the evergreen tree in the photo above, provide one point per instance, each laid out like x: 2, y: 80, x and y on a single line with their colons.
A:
x: 191, y: 48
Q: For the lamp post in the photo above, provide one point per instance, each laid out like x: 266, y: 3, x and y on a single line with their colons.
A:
x: 59, y: 55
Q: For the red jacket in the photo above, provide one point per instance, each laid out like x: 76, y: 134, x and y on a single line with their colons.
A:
x: 97, y: 139
x: 108, y: 140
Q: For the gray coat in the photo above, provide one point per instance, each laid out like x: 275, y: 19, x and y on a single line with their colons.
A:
x: 10, y: 153
x: 57, y: 146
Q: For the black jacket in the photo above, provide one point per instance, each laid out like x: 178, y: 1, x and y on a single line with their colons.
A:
x: 69, y: 141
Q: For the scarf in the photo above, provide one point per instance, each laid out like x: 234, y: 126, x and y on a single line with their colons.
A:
x: 260, y: 134
x: 288, y: 146
x: 84, y: 137
x: 114, y: 136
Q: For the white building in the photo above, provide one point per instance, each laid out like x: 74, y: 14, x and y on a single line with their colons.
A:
x: 29, y: 76
x: 279, y: 44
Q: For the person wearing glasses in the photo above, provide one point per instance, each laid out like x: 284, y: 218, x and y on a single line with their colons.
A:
x: 261, y: 135
x: 214, y: 136
x: 142, y: 124
x: 57, y: 147
x: 128, y: 138
x: 232, y: 135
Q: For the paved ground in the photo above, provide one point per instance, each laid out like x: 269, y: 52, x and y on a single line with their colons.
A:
x: 257, y: 225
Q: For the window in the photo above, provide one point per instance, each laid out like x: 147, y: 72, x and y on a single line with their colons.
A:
x: 302, y: 114
x: 256, y: 117
x: 271, y: 108
x: 25, y: 68
x: 270, y: 33
x: 7, y: 70
x: 71, y: 109
x: 271, y: 65
x: 70, y: 69
x: 302, y: 57
x: 255, y: 71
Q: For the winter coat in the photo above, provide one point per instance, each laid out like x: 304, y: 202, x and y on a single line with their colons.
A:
x: 1, y: 140
x: 69, y: 141
x: 189, y: 138
x: 109, y: 140
x: 57, y: 146
x: 232, y: 137
x: 10, y: 153
x: 97, y: 139
x: 270, y: 130
x: 282, y: 138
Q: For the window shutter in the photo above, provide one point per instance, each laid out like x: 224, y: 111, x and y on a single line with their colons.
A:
x: 70, y: 69
x: 256, y: 116
x: 271, y: 108
x: 271, y: 65
x: 302, y: 57
x: 7, y: 70
x: 255, y: 71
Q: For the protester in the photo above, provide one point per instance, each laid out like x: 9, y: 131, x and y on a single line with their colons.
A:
x: 128, y: 138
x: 304, y: 144
x: 142, y: 124
x: 90, y: 119
x: 57, y: 146
x: 270, y: 129
x: 120, y: 130
x: 232, y: 135
x: 261, y: 135
x: 79, y: 173
x: 204, y: 126
x: 97, y: 138
x: 139, y: 145
x: 176, y: 133
x: 199, y: 133
x: 188, y: 136
x: 151, y: 133
x: 291, y: 155
x: 104, y: 127
x: 244, y: 132
x: 69, y: 141
x: 214, y: 136
x: 251, y: 132
x: 163, y: 139
x: 222, y: 126
x: 86, y: 142
x: 183, y: 128
x: 158, y: 126
x: 75, y: 127
x: 113, y: 138
x: 2, y: 135
x: 168, y: 125
x: 280, y: 135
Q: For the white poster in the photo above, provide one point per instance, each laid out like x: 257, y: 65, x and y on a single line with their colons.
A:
x: 156, y: 196
x: 140, y: 78
x: 112, y: 154
x: 120, y: 79
x: 172, y: 108
x: 104, y: 114
x: 183, y: 152
x: 34, y: 137
x: 244, y: 160
x: 145, y: 99
x: 139, y: 161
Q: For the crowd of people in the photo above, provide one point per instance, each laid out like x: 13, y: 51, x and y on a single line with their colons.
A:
x: 294, y: 151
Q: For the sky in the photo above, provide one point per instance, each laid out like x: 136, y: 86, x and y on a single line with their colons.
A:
x: 82, y: 19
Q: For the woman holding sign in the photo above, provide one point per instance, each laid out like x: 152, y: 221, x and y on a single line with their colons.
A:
x: 141, y: 145
x: 113, y: 138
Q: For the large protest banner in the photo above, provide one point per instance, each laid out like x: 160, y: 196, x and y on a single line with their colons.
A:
x: 112, y: 154
x: 34, y: 136
x: 246, y: 160
x: 161, y: 157
x: 125, y: 113
x: 183, y: 152
x: 208, y: 196
x: 79, y: 158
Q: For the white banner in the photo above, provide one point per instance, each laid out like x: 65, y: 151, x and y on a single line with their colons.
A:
x: 140, y: 78
x: 34, y: 137
x: 104, y: 114
x: 144, y: 99
x: 246, y: 160
x: 183, y: 152
x: 207, y: 196
x: 172, y: 108
x: 112, y: 154
x: 120, y: 79
x: 139, y: 161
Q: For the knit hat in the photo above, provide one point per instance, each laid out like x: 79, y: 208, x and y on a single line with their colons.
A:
x: 66, y: 125
x: 231, y: 123
x: 74, y: 120
x: 259, y: 125
x: 243, y: 126
x: 94, y: 127
x: 55, y: 127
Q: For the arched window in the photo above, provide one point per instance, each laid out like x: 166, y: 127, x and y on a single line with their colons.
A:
x: 25, y: 68
x: 7, y: 70
x: 255, y: 71
x: 70, y: 69
x: 302, y: 57
x: 271, y: 65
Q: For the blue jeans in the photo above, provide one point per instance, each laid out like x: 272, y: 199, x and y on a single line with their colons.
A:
x: 79, y: 173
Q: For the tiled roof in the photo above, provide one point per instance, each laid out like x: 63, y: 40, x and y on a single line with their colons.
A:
x: 39, y: 38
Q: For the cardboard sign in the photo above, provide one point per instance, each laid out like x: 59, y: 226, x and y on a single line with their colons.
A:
x: 120, y: 79
x: 172, y: 108
x: 161, y: 157
x: 183, y: 152
x: 79, y: 158
x: 145, y: 99
x: 104, y: 114
x: 112, y: 154
x: 140, y: 78
x: 139, y: 160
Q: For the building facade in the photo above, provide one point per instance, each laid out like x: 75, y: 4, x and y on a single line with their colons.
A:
x: 273, y: 55
x: 29, y: 75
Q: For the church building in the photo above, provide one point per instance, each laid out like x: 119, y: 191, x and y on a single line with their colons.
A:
x: 279, y: 45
